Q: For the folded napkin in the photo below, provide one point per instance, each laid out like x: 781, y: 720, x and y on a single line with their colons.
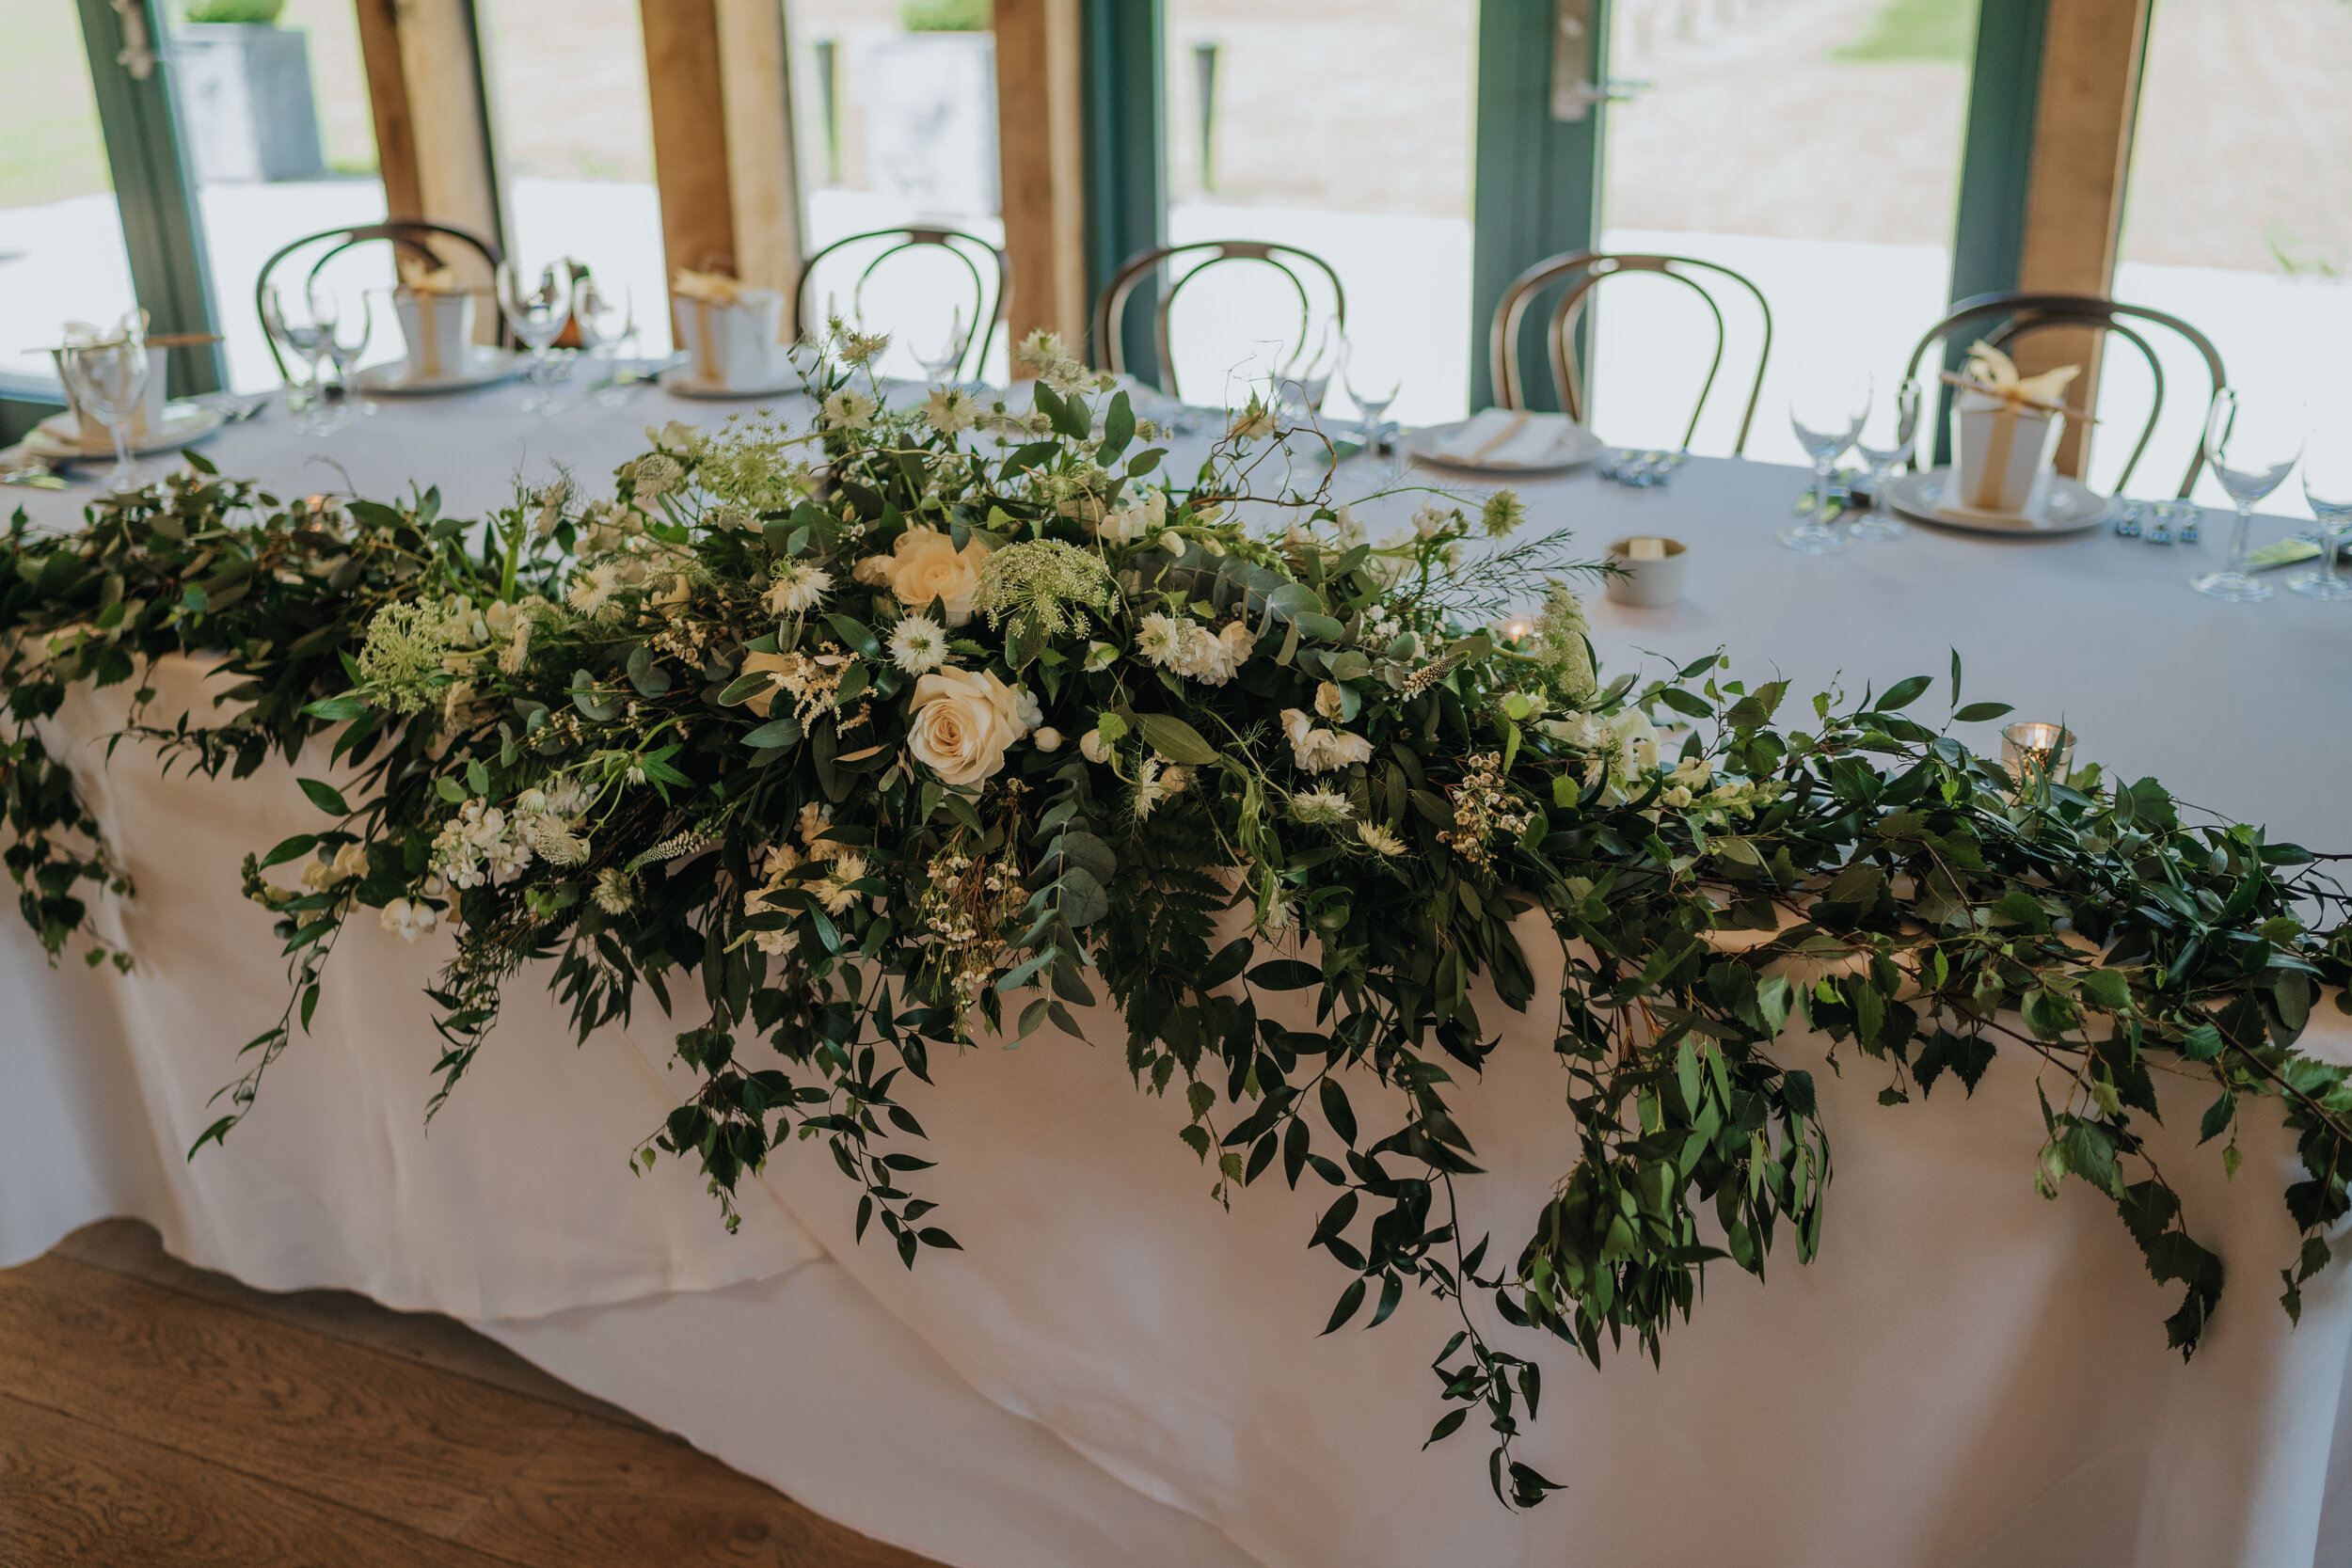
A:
x: 91, y: 335
x: 1995, y: 373
x: 1502, y: 438
x: 709, y: 288
x: 420, y: 276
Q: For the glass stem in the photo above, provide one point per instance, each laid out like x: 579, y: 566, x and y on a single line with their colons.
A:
x: 1820, y: 493
x: 2238, y: 538
x: 123, y: 453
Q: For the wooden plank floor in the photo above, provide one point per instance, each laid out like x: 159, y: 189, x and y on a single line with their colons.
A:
x: 157, y: 1416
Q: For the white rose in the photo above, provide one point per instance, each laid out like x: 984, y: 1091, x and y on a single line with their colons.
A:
x: 925, y: 566
x: 963, y: 723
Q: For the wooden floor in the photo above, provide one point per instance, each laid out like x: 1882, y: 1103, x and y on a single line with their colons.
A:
x: 154, y: 1416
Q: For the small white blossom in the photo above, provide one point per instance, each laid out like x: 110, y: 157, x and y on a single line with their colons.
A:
x: 918, y: 644
x: 848, y: 409
x: 797, y: 589
x: 950, y: 410
x: 1321, y: 808
x: 410, y: 919
x: 1379, y: 839
x: 614, y: 893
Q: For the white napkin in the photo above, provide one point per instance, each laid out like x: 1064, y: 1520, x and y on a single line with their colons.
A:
x: 1501, y: 439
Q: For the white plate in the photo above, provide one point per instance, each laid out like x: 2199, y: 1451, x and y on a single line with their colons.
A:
x: 681, y: 383
x: 2067, y: 507
x: 183, y: 422
x: 489, y: 365
x: 1577, y: 446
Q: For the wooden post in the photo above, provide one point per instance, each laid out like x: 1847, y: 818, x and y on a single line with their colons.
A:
x: 763, y: 186
x: 683, y: 84
x: 1041, y: 141
x: 387, y: 98
x: 431, y: 142
x: 2091, y: 63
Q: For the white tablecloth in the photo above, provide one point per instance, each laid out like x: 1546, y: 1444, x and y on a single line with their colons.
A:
x: 1115, y: 1369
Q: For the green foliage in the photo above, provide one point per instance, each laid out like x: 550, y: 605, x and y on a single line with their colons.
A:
x: 1909, y: 32
x: 947, y: 16
x: 263, y: 12
x: 745, y: 739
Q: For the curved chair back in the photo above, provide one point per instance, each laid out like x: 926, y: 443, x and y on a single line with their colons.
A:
x: 1111, y: 308
x: 991, y: 275
x: 1583, y: 271
x: 410, y: 237
x: 2028, y: 313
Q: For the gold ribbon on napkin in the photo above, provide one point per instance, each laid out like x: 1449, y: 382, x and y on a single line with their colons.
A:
x: 706, y: 292
x: 1994, y: 374
x: 426, y: 284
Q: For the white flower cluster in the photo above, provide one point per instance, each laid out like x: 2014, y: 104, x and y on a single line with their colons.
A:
x: 1318, y: 749
x: 487, y: 843
x: 1140, y: 513
x: 1042, y: 355
x: 843, y: 865
x: 1192, y: 650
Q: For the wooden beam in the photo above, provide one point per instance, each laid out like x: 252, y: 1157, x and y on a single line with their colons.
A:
x: 763, y: 186
x: 388, y: 99
x: 684, y: 85
x: 1042, y: 147
x: 2091, y: 63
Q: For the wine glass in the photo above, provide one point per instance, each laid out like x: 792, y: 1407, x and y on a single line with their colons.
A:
x: 343, y: 349
x: 1827, y: 413
x: 1880, y: 521
x: 109, y: 382
x: 2327, y: 485
x: 1299, y: 385
x: 1372, y: 386
x: 535, y: 313
x: 307, y: 338
x: 2251, y: 449
x: 607, y: 321
x: 940, y: 364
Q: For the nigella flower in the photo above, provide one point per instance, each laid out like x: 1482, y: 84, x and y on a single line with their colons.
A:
x: 797, y: 589
x: 835, y: 892
x: 1379, y: 839
x: 1162, y: 639
x: 918, y: 644
x: 848, y: 410
x: 592, y: 590
x: 1321, y: 808
x: 615, y: 893
x: 950, y: 409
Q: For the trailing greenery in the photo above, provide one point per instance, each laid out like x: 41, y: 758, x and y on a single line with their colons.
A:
x: 263, y: 12
x: 854, y: 745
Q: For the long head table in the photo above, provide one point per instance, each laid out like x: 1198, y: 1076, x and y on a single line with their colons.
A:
x: 1116, y: 1370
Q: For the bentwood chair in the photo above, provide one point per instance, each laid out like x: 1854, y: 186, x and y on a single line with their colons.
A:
x: 2021, y: 316
x: 1181, y: 263
x: 410, y: 238
x: 990, y: 273
x: 1582, y: 272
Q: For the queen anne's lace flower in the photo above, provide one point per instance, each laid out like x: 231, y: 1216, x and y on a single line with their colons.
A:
x: 406, y: 647
x: 1043, y: 583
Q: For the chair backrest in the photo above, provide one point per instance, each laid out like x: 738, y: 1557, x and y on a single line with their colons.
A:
x: 990, y: 274
x: 1583, y: 271
x: 2023, y: 314
x: 410, y: 237
x: 1110, y: 307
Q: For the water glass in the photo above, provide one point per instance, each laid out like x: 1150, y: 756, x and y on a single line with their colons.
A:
x: 2327, y: 485
x: 342, y: 347
x: 1827, y: 414
x: 535, y: 313
x: 109, y: 381
x: 2251, y: 449
x: 940, y: 364
x: 1899, y: 438
x: 305, y: 336
x: 1371, y: 387
x: 608, y: 323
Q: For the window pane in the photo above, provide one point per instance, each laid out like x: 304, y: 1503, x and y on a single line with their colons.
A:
x: 1812, y: 146
x: 573, y: 131
x: 2238, y: 220
x: 895, y: 106
x: 281, y: 142
x: 61, y: 254
x: 1342, y: 128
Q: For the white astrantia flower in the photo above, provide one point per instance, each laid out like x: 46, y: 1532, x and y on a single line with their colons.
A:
x: 654, y: 478
x: 1321, y: 808
x: 950, y: 409
x: 592, y: 590
x: 410, y: 919
x: 614, y: 893
x: 848, y: 409
x: 1379, y: 839
x: 918, y: 644
x: 797, y: 589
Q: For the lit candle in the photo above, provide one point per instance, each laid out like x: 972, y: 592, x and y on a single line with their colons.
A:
x: 2030, y: 747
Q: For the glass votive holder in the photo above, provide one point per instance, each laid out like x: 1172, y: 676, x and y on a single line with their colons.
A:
x: 2033, y: 750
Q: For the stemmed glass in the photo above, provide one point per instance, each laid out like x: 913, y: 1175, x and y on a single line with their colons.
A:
x: 109, y: 382
x: 1370, y: 387
x: 2250, y: 457
x: 307, y: 338
x: 1880, y: 521
x: 1299, y: 385
x: 536, y: 313
x: 344, y: 350
x: 940, y: 364
x: 1827, y: 414
x: 2327, y: 485
x: 606, y: 326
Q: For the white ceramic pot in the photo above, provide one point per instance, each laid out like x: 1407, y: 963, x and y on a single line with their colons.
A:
x: 1652, y: 580
x: 1999, y: 455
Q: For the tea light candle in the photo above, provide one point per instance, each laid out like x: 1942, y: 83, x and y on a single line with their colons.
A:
x: 1646, y: 550
x: 2030, y: 747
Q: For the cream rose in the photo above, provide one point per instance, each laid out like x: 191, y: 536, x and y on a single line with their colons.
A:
x: 963, y: 723
x: 925, y: 566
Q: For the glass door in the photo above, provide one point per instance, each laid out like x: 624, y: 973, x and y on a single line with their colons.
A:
x: 1814, y: 147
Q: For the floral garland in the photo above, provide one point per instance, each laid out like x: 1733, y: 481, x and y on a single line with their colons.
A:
x: 924, y: 725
